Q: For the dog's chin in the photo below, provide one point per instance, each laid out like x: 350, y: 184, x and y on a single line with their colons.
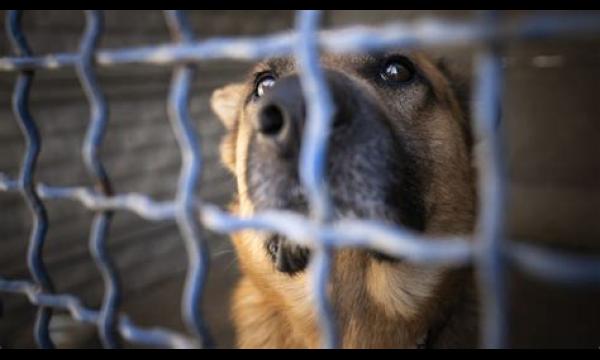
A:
x: 292, y: 259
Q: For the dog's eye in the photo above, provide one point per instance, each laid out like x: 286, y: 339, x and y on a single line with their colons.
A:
x: 397, y: 70
x: 263, y: 83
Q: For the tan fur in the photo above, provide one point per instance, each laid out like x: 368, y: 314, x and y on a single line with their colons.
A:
x: 378, y: 304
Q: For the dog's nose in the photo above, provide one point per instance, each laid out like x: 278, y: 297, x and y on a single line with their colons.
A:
x: 271, y: 120
x: 282, y: 115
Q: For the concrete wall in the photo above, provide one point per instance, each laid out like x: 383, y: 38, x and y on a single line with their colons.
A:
x: 551, y: 135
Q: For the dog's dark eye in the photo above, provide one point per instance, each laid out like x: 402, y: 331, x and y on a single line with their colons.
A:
x: 397, y: 70
x: 263, y: 83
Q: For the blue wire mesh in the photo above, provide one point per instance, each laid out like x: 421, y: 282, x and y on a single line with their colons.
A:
x: 491, y: 252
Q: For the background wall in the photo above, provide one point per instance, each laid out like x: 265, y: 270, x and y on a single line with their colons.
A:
x: 552, y: 137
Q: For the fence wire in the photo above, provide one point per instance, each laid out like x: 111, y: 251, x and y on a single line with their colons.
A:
x: 490, y: 251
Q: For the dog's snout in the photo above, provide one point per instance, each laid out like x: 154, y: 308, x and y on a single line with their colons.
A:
x: 282, y: 115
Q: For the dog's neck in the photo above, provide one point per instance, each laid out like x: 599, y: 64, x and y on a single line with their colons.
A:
x: 458, y: 324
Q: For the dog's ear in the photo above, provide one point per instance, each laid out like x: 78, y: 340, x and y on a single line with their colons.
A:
x: 225, y: 103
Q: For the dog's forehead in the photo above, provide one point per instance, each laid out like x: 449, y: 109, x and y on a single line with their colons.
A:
x: 288, y: 64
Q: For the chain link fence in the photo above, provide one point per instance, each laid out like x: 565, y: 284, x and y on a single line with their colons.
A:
x: 491, y: 253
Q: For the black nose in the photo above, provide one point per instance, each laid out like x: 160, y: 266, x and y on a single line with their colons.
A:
x: 271, y: 120
x: 282, y: 114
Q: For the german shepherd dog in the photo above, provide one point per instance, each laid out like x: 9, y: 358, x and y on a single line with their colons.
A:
x: 400, y: 152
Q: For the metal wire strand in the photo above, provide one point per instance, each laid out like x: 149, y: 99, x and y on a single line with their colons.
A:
x: 26, y: 178
x: 313, y: 153
x: 107, y: 321
x: 425, y: 32
x: 185, y: 204
x: 490, y: 257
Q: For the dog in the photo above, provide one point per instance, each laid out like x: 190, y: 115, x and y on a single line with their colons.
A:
x: 400, y: 152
